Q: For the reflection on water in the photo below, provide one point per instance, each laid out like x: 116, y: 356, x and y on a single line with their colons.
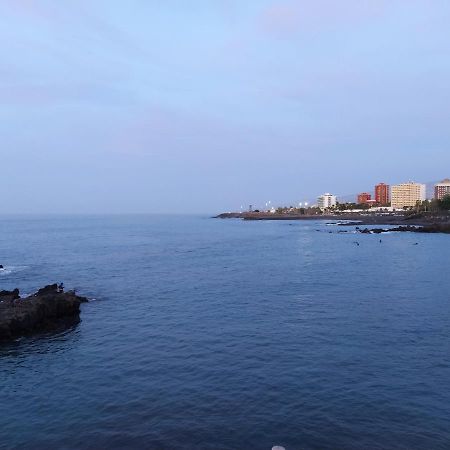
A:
x: 43, y: 341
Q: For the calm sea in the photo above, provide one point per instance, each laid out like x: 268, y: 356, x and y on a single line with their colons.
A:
x: 223, y: 334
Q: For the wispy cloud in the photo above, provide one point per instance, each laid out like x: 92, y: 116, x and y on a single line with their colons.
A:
x: 287, y: 17
x: 41, y: 95
x: 245, y: 89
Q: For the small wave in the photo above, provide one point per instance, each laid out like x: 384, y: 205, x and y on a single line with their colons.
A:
x: 343, y: 222
x: 8, y: 270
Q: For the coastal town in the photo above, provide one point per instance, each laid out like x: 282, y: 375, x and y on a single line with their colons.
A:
x: 403, y: 197
x: 406, y: 205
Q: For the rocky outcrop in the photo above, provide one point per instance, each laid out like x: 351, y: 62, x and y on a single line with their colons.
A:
x: 9, y: 295
x: 433, y: 228
x: 48, y: 308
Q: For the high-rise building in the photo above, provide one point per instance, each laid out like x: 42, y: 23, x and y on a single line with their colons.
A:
x: 382, y: 193
x: 407, y: 194
x: 442, y: 189
x: 364, y: 197
x: 326, y: 201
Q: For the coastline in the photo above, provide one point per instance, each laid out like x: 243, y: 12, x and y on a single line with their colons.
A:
x: 440, y: 222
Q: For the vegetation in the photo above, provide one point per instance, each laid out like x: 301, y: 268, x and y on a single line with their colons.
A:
x: 445, y: 203
x: 427, y: 206
x: 434, y: 205
x: 350, y: 206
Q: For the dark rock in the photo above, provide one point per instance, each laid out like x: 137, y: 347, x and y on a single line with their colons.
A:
x: 9, y: 295
x: 49, y: 289
x: 1, y: 267
x: 433, y: 228
x: 436, y: 228
x: 15, y: 293
x: 47, y: 308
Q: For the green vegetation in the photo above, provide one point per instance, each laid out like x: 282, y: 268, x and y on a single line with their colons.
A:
x: 434, y: 206
x: 445, y: 203
x: 350, y: 206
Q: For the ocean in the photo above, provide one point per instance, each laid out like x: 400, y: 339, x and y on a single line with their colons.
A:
x: 225, y: 334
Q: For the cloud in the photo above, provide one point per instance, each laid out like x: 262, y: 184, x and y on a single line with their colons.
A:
x: 287, y: 17
x: 43, y: 95
x: 36, y: 10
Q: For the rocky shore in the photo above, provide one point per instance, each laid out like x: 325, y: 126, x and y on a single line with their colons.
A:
x: 431, y: 222
x: 48, y: 308
x: 435, y: 228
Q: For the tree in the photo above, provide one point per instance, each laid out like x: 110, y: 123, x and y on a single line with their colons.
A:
x: 445, y: 203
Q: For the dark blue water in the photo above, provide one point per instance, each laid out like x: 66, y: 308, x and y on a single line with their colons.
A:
x: 221, y: 334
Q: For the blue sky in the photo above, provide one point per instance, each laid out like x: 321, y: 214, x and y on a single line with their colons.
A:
x: 204, y: 106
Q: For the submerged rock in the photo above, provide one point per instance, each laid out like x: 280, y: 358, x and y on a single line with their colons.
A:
x: 49, y: 307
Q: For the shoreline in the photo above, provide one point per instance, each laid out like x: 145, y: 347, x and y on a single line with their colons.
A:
x: 439, y: 222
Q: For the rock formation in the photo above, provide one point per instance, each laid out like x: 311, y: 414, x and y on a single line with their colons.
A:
x: 49, y: 307
x: 433, y: 228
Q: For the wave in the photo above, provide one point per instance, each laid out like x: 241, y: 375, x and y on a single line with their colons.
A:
x: 8, y: 270
x: 343, y: 222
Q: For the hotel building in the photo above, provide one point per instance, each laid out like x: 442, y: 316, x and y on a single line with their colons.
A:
x: 364, y: 197
x: 382, y: 194
x: 326, y: 201
x: 407, y: 194
x: 442, y: 189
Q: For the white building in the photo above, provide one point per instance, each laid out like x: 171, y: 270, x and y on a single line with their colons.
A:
x: 407, y: 194
x: 326, y: 201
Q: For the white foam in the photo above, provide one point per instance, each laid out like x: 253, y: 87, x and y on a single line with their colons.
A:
x: 8, y: 270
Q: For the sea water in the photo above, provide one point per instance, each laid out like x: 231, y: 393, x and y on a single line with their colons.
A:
x: 225, y: 334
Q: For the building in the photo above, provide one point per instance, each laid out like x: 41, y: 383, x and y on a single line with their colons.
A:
x: 407, y: 194
x: 382, y: 194
x: 364, y: 197
x: 442, y: 189
x: 326, y: 201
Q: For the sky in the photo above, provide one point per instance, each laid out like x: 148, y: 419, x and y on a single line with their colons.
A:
x: 175, y: 106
